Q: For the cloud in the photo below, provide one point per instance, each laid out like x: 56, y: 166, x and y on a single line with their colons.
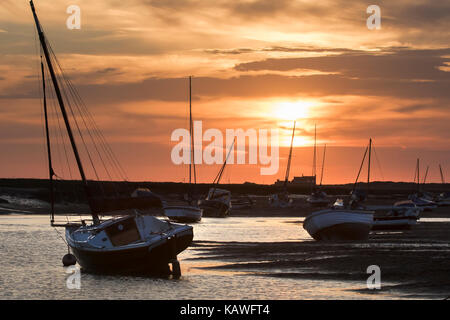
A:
x: 407, y: 64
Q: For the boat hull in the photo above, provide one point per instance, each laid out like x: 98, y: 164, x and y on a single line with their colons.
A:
x: 184, y: 214
x: 339, y: 225
x: 394, y: 223
x: 214, y: 208
x: 149, y: 259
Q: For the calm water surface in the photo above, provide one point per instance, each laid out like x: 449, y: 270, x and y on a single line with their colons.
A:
x: 31, y: 252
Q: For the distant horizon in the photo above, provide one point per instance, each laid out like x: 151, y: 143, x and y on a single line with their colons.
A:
x: 226, y: 183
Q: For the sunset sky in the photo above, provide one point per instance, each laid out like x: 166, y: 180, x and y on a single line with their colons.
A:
x: 255, y: 64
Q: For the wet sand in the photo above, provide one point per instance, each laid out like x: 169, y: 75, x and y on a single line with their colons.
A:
x: 415, y: 263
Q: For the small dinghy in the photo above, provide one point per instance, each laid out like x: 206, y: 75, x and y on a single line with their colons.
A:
x: 339, y: 224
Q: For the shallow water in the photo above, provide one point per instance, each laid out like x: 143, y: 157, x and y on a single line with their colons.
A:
x: 31, y: 252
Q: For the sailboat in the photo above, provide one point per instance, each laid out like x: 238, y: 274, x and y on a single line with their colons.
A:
x: 281, y: 199
x: 217, y: 203
x: 443, y: 198
x: 317, y: 197
x: 126, y: 242
x: 419, y: 198
x: 187, y: 213
x: 346, y: 222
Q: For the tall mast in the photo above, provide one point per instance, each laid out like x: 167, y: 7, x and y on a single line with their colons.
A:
x: 43, y: 41
x: 442, y: 174
x: 323, y: 164
x: 49, y: 153
x: 288, y: 168
x: 368, y: 166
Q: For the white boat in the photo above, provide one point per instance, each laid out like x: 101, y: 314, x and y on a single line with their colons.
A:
x: 342, y: 222
x: 339, y: 224
x: 187, y: 213
x: 128, y: 243
x: 403, y: 215
x: 183, y: 213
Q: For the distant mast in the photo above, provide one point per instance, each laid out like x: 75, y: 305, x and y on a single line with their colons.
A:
x: 288, y: 168
x: 368, y: 167
x: 314, y: 173
x: 442, y: 174
x: 323, y: 164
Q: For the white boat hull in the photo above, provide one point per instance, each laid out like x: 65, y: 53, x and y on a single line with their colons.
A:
x: 183, y: 213
x: 339, y: 225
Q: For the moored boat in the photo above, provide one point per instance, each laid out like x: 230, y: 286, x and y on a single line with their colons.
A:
x: 217, y: 203
x: 403, y: 215
x: 343, y: 222
x: 339, y: 224
x: 187, y: 213
x: 128, y: 242
x: 182, y: 213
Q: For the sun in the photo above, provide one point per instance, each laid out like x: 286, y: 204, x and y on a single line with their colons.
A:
x: 292, y: 110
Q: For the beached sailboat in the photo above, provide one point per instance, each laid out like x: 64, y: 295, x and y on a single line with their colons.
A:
x: 187, y: 213
x: 350, y: 222
x: 419, y: 198
x: 122, y: 244
x: 217, y: 203
x: 282, y: 199
x: 318, y: 197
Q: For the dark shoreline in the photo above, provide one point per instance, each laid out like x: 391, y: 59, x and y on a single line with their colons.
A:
x: 415, y: 263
